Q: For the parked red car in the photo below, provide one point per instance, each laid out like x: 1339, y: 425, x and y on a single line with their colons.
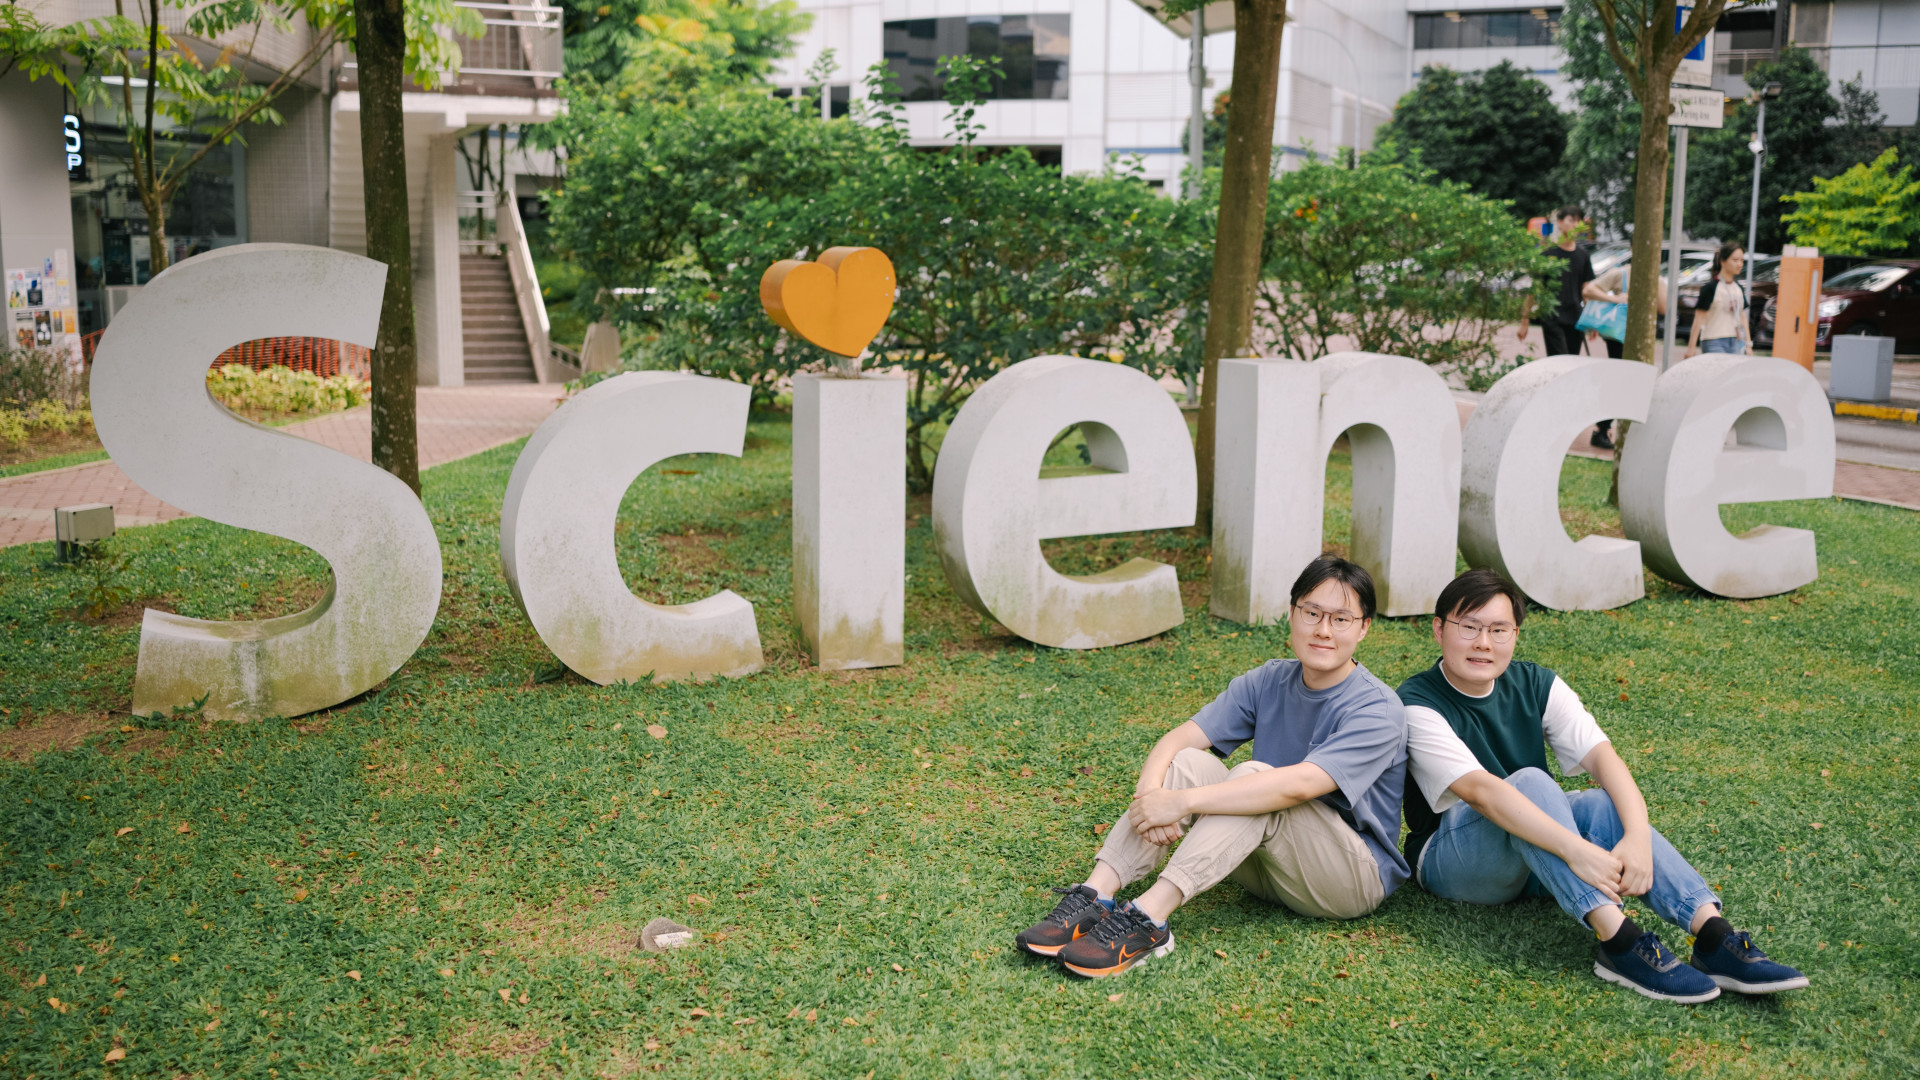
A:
x: 1877, y: 299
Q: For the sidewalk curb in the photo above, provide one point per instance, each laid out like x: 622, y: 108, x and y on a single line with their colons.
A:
x: 1876, y: 412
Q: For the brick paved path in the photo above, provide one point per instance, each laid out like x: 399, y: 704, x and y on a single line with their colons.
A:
x: 453, y: 423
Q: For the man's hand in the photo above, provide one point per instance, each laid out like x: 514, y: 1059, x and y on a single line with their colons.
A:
x: 1521, y: 331
x: 1636, y: 864
x: 1597, y: 867
x: 1157, y: 809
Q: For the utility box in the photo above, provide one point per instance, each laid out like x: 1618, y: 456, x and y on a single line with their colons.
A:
x: 74, y: 526
x: 1862, y: 368
x: 1796, y: 311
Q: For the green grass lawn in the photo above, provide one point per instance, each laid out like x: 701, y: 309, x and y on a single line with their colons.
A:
x: 859, y: 849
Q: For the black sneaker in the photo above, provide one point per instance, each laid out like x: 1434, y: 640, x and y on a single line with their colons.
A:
x: 1123, y: 939
x: 1600, y: 440
x: 1073, y: 918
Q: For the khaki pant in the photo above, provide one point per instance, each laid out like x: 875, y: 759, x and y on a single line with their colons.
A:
x: 1305, y: 856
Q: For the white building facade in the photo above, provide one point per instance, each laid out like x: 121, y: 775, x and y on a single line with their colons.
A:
x: 1096, y: 82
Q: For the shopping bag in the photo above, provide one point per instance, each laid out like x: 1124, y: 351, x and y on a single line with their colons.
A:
x: 1609, y: 319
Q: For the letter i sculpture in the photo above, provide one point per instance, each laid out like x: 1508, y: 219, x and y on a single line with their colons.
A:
x: 849, y: 461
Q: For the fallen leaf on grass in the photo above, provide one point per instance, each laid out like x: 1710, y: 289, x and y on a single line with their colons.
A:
x: 794, y: 1013
x: 650, y: 1044
x: 123, y: 832
x: 78, y: 968
x: 1221, y: 953
x: 1342, y: 974
x: 506, y: 995
x: 1085, y: 770
x: 1826, y: 772
x: 299, y: 895
x: 354, y: 975
x: 1316, y: 1001
x: 656, y: 731
x: 125, y: 728
x: 850, y: 1022
x: 1025, y: 773
x: 1100, y: 828
x: 523, y: 997
x: 118, y: 1053
x: 1116, y: 997
x: 698, y: 1014
x: 370, y: 768
x: 446, y: 973
x: 812, y: 1015
x: 744, y: 1021
x: 55, y: 1002
x: 1818, y: 825
x: 696, y: 900
x: 184, y: 828
x: 897, y: 967
x: 211, y: 1024
x: 42, y: 980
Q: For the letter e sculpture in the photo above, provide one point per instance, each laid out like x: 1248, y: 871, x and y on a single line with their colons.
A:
x: 1678, y: 469
x: 992, y: 505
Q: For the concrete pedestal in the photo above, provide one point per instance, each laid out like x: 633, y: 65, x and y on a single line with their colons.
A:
x: 1862, y: 368
x: 849, y: 519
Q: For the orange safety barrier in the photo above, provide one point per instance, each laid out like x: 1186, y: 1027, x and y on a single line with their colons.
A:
x: 322, y: 356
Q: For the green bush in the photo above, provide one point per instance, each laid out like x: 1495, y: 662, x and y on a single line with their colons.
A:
x: 1396, y: 262
x: 30, y: 375
x: 280, y: 389
x: 1868, y: 210
x: 45, y: 417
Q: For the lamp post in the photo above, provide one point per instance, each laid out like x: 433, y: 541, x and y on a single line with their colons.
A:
x: 1196, y: 119
x: 1759, y: 148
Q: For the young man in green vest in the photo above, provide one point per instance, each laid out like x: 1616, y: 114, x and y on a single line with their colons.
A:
x: 1487, y: 823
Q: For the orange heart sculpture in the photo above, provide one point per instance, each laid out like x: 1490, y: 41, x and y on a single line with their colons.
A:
x: 839, y: 303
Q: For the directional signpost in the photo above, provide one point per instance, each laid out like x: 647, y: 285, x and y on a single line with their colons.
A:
x: 1695, y: 105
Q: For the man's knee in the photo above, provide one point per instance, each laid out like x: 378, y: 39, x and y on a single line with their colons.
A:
x: 1194, y: 768
x: 1247, y: 768
x: 1540, y: 789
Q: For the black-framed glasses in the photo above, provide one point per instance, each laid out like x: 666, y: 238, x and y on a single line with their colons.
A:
x: 1501, y: 633
x: 1338, y: 620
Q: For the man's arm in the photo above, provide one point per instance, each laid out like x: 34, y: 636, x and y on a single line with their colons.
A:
x: 1243, y: 796
x: 1502, y: 804
x: 1153, y: 777
x: 1635, y: 849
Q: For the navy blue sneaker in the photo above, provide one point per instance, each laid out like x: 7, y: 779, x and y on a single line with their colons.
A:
x: 1651, y: 969
x: 1740, y: 966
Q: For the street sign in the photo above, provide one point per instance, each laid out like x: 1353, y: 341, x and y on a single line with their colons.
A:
x: 1696, y: 68
x: 1697, y: 108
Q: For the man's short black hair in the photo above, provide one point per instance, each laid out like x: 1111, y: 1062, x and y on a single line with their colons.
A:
x: 1570, y: 211
x: 1476, y: 589
x: 1331, y: 567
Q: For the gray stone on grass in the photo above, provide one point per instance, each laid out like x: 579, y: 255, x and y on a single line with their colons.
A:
x: 663, y: 934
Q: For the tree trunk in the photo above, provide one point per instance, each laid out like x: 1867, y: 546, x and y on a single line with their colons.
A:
x: 1246, y: 170
x: 381, y: 45
x: 1649, y: 221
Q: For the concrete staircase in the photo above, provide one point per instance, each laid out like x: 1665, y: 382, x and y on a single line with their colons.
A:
x: 493, y: 339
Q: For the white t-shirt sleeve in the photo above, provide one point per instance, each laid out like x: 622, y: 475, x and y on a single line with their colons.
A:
x: 1437, y: 756
x: 1571, y: 730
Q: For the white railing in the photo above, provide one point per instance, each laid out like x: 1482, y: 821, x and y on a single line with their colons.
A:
x: 526, y: 286
x: 519, y: 42
x: 479, y: 225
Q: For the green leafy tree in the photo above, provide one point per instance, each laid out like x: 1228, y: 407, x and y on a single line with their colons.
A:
x: 1868, y: 210
x: 1498, y: 132
x: 1603, y: 133
x: 1804, y: 129
x: 998, y: 258
x: 1385, y: 254
x: 672, y: 46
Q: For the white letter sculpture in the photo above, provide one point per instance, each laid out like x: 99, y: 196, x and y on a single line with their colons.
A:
x: 1678, y: 468
x: 1512, y: 451
x: 1266, y: 497
x: 556, y: 530
x: 155, y: 417
x: 849, y: 519
x: 1400, y: 419
x: 992, y: 506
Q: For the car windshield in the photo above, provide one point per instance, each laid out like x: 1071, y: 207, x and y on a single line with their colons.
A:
x: 1769, y: 270
x: 1865, y: 278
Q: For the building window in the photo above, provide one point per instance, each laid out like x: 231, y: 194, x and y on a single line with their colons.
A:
x: 1032, y: 50
x: 1486, y: 29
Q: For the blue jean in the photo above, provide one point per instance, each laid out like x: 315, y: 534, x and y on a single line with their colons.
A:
x: 1724, y: 345
x: 1473, y: 860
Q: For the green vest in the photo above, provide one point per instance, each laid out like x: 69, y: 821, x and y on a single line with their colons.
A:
x: 1505, y: 730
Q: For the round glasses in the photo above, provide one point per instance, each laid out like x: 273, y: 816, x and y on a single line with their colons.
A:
x: 1502, y: 634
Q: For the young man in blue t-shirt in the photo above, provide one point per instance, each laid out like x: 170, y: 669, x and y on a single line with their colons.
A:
x: 1486, y: 823
x: 1310, y: 822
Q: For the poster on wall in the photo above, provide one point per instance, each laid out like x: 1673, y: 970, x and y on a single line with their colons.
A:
x: 41, y: 308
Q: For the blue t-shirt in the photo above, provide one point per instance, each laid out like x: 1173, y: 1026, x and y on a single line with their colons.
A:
x: 1356, y: 730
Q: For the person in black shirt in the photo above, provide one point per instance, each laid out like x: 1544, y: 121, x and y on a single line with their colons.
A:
x: 1558, y: 326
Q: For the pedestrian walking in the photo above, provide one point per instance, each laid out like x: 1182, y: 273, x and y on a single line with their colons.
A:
x: 1611, y: 288
x: 1557, y: 327
x: 1720, y: 316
